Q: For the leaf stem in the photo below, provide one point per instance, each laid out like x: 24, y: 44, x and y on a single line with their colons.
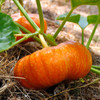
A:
x: 28, y: 32
x: 31, y: 21
x: 93, y: 32
x: 53, y: 43
x: 24, y: 38
x: 22, y: 34
x: 99, y: 8
x: 97, y: 67
x: 26, y: 15
x: 0, y: 8
x: 22, y: 28
x: 40, y: 16
x: 63, y: 23
x: 95, y: 70
x: 36, y: 38
x: 82, y: 36
x: 21, y: 2
x: 43, y: 42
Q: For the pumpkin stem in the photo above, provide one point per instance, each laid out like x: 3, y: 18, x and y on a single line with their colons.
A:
x: 43, y: 42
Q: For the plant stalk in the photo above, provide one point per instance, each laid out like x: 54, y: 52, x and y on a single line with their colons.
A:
x: 93, y: 32
x: 21, y: 2
x: 36, y: 38
x: 0, y: 8
x: 26, y: 15
x: 30, y: 20
x: 95, y: 70
x: 22, y: 28
x: 22, y: 39
x: 82, y: 36
x: 63, y: 23
x: 28, y: 32
x: 53, y: 43
x: 43, y: 42
x: 99, y: 8
x: 40, y: 16
x: 22, y: 34
x: 96, y: 67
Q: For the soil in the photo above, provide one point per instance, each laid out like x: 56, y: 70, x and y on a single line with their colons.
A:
x: 10, y: 89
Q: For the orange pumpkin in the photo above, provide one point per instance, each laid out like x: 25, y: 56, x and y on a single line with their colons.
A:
x: 51, y: 65
x: 23, y: 21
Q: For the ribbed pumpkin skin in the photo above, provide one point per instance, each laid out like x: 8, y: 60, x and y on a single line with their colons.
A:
x: 51, y: 65
x: 22, y: 21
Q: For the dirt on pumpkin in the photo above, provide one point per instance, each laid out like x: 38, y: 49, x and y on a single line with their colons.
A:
x: 10, y: 89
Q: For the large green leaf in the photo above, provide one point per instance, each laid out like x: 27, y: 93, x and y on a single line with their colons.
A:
x: 80, y: 20
x: 76, y: 3
x: 7, y: 31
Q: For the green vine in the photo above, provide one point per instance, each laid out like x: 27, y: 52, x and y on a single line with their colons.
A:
x: 93, y: 32
x: 82, y: 36
x: 95, y: 27
x: 40, y: 16
x: 95, y: 70
x: 40, y: 36
x: 26, y: 15
x: 63, y: 23
x: 24, y: 38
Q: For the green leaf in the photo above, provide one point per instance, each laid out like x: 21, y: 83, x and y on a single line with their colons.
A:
x: 7, y: 31
x: 50, y: 37
x: 83, y: 22
x: 2, y: 1
x: 92, y: 19
x: 76, y: 3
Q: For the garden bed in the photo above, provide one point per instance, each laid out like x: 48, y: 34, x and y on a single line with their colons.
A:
x: 12, y: 90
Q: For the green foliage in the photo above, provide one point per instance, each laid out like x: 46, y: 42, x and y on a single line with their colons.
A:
x: 83, y: 22
x: 7, y: 31
x: 8, y: 28
x: 76, y: 3
x: 50, y: 37
x: 2, y: 1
